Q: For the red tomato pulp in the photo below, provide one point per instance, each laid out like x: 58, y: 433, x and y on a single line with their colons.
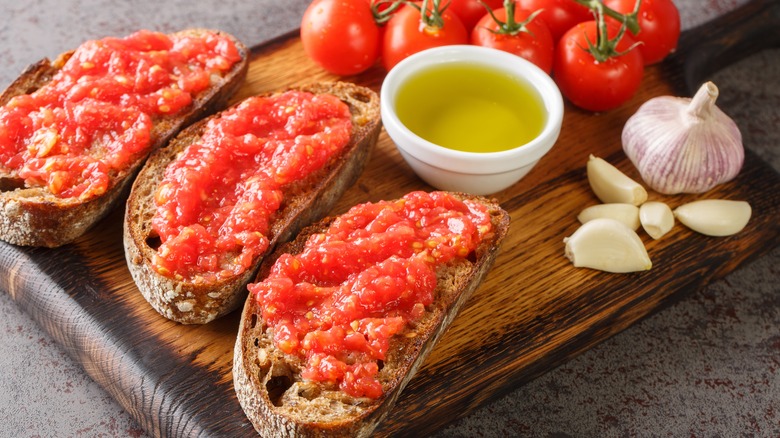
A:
x: 94, y: 118
x: 369, y: 277
x: 217, y: 200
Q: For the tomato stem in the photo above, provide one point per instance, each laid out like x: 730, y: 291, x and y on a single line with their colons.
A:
x: 631, y: 21
x: 430, y: 17
x: 605, y: 47
x: 510, y: 26
x: 382, y: 16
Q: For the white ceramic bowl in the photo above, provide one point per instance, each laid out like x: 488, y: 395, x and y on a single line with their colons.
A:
x: 479, y: 173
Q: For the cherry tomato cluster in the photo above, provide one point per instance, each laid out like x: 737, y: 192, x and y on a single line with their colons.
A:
x: 595, y: 50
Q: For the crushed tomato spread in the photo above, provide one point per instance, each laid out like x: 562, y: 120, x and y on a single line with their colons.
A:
x: 94, y: 118
x: 216, y: 201
x: 367, y: 278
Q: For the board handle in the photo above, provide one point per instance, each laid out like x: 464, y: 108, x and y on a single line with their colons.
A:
x: 703, y: 50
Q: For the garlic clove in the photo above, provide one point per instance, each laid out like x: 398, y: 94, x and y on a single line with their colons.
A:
x: 607, y: 245
x: 657, y: 218
x: 626, y: 213
x: 682, y: 145
x: 611, y: 185
x: 714, y: 217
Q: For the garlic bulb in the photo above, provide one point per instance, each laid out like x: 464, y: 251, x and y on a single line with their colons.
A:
x: 682, y: 145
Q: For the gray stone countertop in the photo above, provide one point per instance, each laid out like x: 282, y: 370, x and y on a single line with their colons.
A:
x: 706, y: 366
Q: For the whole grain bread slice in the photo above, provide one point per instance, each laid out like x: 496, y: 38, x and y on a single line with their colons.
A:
x: 304, y: 202
x: 36, y: 217
x: 279, y: 403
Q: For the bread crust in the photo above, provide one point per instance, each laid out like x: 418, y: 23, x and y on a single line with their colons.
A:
x: 304, y: 202
x: 280, y: 404
x: 36, y: 217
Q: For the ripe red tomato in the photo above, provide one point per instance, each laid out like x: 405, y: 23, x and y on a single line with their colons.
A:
x: 406, y: 34
x: 471, y: 11
x: 659, y: 24
x: 596, y: 85
x: 534, y: 42
x: 340, y: 35
x: 560, y: 15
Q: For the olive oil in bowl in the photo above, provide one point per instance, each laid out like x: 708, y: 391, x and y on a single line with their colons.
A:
x: 470, y: 107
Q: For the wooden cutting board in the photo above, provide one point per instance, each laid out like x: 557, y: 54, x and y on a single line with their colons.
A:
x: 533, y: 312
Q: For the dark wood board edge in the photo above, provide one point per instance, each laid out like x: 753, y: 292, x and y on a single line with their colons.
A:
x: 100, y: 332
x: 723, y: 41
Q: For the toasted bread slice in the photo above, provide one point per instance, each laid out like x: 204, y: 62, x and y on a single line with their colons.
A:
x: 36, y: 217
x: 304, y: 202
x: 280, y: 403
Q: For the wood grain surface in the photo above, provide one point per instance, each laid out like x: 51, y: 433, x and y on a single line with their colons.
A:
x: 533, y: 312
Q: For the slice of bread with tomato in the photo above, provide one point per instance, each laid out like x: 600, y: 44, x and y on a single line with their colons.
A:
x: 192, y: 298
x: 310, y: 380
x: 32, y: 212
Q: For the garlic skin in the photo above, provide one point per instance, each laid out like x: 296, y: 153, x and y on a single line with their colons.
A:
x: 682, y: 145
x: 607, y: 245
x: 714, y: 217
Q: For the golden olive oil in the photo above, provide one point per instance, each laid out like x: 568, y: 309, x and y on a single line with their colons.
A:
x: 470, y: 108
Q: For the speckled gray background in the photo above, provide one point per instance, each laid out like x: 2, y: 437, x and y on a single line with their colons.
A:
x: 708, y: 366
